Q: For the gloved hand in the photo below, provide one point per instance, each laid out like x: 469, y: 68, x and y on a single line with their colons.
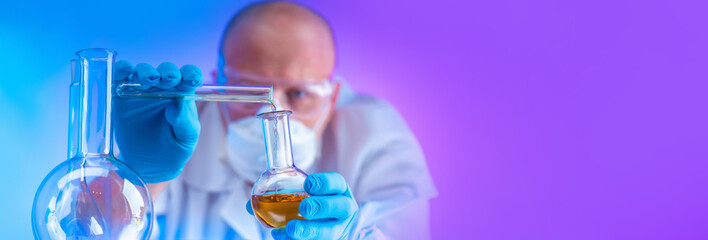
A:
x: 330, y: 208
x: 156, y: 137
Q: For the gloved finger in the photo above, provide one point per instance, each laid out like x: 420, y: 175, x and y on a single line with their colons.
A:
x: 170, y: 75
x: 325, y: 184
x: 122, y: 70
x: 145, y: 75
x: 327, y: 207
x: 311, y: 229
x: 249, y: 208
x: 182, y: 116
x: 280, y: 234
x: 191, y: 78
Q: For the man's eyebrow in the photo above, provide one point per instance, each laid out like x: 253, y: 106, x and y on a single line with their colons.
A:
x: 251, y: 79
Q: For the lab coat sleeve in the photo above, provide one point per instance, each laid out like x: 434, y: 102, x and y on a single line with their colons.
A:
x: 390, y: 178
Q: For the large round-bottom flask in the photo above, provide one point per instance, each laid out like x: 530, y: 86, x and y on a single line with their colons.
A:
x: 92, y: 195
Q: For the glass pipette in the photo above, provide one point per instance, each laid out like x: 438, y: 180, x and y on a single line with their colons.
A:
x: 223, y: 93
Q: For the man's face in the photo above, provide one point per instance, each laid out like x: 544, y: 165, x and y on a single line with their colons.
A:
x: 297, y: 61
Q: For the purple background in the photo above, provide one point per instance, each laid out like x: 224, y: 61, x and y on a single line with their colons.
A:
x: 539, y: 119
x: 546, y: 119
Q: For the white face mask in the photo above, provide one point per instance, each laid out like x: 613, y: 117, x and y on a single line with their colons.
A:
x: 246, y: 147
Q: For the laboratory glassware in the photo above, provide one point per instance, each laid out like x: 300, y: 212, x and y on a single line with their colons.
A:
x: 92, y: 195
x: 233, y: 93
x: 277, y: 194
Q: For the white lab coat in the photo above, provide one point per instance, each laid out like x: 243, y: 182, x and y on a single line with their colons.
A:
x: 366, y: 141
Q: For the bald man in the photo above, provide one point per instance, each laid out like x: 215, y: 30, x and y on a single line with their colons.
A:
x: 377, y: 175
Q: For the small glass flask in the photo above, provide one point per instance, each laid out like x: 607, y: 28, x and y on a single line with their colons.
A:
x: 92, y: 195
x: 277, y: 194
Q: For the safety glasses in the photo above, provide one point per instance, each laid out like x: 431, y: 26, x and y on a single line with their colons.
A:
x: 305, y: 97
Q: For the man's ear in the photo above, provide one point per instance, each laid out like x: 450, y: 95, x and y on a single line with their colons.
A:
x: 214, y: 74
x: 335, y: 94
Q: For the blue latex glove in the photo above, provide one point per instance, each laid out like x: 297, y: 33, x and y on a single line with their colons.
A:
x: 330, y: 209
x: 156, y: 137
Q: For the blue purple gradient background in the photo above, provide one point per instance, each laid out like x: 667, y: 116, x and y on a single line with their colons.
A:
x: 539, y: 119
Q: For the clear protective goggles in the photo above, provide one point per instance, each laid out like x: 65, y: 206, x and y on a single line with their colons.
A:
x: 306, y: 99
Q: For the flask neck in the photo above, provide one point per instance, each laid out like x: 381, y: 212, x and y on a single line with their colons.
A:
x: 276, y: 129
x: 90, y: 127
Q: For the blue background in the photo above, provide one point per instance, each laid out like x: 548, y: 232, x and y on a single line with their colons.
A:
x: 37, y: 40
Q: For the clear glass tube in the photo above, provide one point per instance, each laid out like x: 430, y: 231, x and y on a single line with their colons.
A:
x: 92, y: 195
x: 277, y: 194
x: 228, y: 93
x: 276, y: 130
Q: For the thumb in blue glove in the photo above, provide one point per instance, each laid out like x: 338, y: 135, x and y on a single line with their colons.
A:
x: 156, y: 137
x: 330, y: 209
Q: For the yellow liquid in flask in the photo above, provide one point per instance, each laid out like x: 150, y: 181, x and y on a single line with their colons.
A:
x: 276, y: 210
